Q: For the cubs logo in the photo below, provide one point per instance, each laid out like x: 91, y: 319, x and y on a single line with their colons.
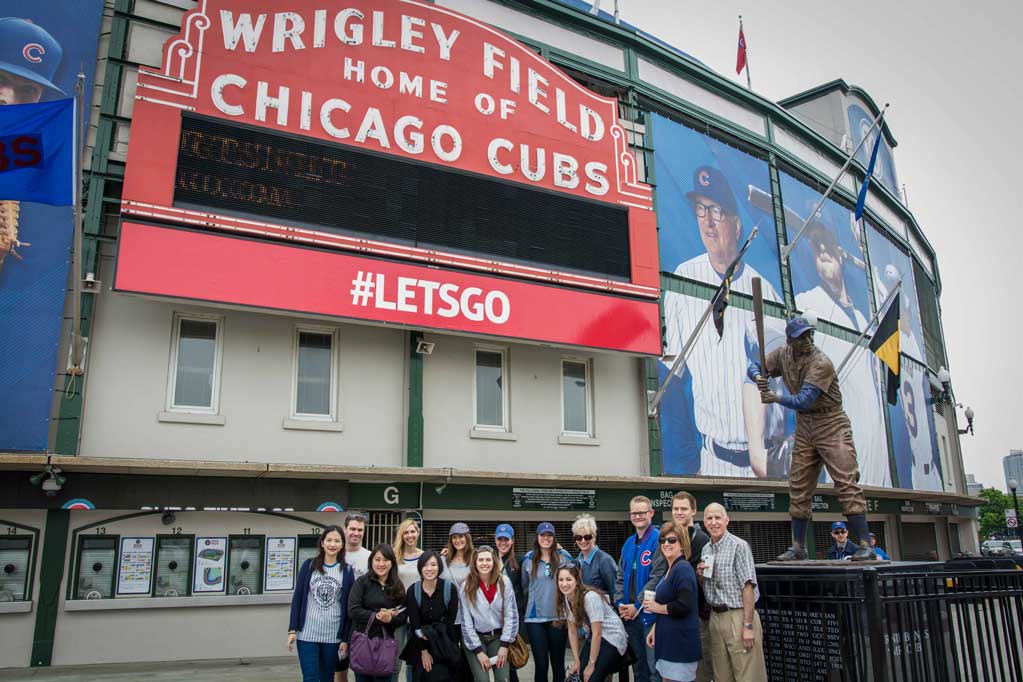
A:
x: 33, y: 52
x: 703, y: 178
x: 646, y: 558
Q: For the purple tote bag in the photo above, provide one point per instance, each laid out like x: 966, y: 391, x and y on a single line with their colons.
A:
x: 373, y: 656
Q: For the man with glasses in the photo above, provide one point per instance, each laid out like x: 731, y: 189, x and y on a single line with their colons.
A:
x: 727, y: 409
x: 729, y: 580
x: 634, y: 570
x: 842, y: 548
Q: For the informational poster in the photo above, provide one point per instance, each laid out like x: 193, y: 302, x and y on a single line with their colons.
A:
x: 210, y: 562
x: 280, y: 564
x: 135, y: 566
x: 554, y: 499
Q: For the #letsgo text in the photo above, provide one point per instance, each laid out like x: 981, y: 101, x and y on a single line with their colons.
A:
x: 430, y: 298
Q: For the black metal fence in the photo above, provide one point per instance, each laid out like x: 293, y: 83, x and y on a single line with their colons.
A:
x: 961, y: 621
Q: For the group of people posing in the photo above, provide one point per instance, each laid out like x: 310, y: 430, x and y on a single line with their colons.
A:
x: 677, y: 606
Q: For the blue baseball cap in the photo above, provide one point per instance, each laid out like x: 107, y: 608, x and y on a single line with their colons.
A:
x: 797, y: 326
x: 504, y: 531
x: 711, y: 183
x: 838, y: 525
x: 459, y: 529
x: 545, y: 527
x: 28, y: 51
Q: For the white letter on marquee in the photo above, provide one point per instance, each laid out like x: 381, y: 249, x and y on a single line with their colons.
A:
x: 217, y: 93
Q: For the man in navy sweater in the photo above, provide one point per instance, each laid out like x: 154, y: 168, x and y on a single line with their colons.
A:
x: 842, y: 549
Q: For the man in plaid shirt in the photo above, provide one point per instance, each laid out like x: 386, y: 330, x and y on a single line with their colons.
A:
x: 729, y: 582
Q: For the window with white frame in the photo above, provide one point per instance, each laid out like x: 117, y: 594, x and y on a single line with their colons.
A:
x: 490, y: 398
x: 195, y: 364
x: 576, y: 398
x: 314, y: 395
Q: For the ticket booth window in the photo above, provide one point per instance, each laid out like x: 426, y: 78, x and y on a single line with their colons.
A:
x: 15, y: 557
x: 245, y: 565
x: 97, y: 561
x: 173, y: 566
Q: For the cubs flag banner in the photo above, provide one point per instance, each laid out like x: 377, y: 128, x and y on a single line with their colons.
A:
x: 885, y: 345
x: 861, y: 200
x: 37, y: 152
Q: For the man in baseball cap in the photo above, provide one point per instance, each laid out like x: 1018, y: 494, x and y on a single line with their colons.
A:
x: 842, y: 549
x: 717, y: 216
x: 29, y: 59
x: 823, y: 436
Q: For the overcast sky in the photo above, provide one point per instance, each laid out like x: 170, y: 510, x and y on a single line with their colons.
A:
x: 951, y: 73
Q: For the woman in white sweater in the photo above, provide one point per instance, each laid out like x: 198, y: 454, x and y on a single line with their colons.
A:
x: 490, y: 618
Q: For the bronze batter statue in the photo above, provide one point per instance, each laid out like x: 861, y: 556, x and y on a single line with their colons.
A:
x: 823, y: 435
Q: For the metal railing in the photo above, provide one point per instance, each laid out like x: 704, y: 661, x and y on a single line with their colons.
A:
x: 903, y: 622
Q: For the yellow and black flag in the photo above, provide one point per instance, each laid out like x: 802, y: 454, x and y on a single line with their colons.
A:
x: 885, y: 346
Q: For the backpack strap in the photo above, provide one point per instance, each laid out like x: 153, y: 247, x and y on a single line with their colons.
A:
x: 447, y: 592
x: 419, y: 592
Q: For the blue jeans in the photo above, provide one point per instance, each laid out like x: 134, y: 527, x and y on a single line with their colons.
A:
x: 318, y: 661
x: 548, y: 644
x: 645, y: 667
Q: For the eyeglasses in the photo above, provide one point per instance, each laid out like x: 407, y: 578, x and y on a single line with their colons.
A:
x: 547, y: 570
x: 670, y: 540
x: 582, y: 538
x: 839, y: 532
x: 715, y: 211
x: 642, y: 513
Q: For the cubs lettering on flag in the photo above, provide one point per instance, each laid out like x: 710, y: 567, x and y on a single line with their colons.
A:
x: 37, y: 152
x: 885, y: 345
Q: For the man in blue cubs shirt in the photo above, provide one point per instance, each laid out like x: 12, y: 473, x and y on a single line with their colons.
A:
x: 633, y: 572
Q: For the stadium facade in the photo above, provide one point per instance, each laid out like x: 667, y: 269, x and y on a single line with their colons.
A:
x: 434, y: 259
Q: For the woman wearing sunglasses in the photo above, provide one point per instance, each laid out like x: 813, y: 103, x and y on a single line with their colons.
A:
x: 596, y: 566
x: 547, y: 636
x: 675, y: 636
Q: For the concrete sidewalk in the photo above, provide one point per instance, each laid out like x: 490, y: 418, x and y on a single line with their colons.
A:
x: 283, y: 669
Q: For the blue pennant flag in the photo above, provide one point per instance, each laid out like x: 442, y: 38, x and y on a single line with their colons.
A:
x: 862, y: 199
x: 37, y: 152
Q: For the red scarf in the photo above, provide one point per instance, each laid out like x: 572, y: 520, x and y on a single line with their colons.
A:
x: 489, y: 591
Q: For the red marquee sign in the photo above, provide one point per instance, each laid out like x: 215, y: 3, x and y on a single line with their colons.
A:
x: 399, y: 79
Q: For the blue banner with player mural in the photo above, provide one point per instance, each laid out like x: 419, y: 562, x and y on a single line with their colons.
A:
x: 709, y: 197
x: 889, y: 264
x: 43, y: 43
x: 828, y: 268
x: 917, y: 459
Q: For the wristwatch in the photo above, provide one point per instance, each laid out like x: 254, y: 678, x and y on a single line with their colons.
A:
x: 748, y: 626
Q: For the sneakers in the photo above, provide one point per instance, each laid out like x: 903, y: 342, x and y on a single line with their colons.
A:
x: 793, y: 553
x: 865, y: 553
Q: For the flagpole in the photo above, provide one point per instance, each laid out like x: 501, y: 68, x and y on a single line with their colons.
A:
x: 655, y: 401
x: 834, y: 183
x: 882, y: 309
x: 76, y: 257
x: 749, y: 85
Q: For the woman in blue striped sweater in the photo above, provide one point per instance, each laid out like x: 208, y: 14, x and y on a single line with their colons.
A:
x: 319, y: 620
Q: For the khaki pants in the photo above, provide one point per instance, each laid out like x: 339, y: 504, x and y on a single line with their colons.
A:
x: 705, y: 672
x: 732, y: 661
x: 824, y: 439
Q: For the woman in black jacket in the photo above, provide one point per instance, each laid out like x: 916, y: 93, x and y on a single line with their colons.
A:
x: 434, y: 651
x: 378, y: 593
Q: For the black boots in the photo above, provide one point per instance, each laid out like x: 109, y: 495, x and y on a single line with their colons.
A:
x: 796, y: 552
x: 858, y: 528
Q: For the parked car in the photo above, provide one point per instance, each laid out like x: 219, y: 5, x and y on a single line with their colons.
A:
x: 1005, y: 548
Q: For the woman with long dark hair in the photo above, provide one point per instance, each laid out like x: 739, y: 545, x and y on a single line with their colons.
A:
x: 434, y: 650
x: 547, y: 635
x: 319, y: 620
x: 378, y: 595
x: 490, y: 620
x: 587, y: 608
x: 675, y: 637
